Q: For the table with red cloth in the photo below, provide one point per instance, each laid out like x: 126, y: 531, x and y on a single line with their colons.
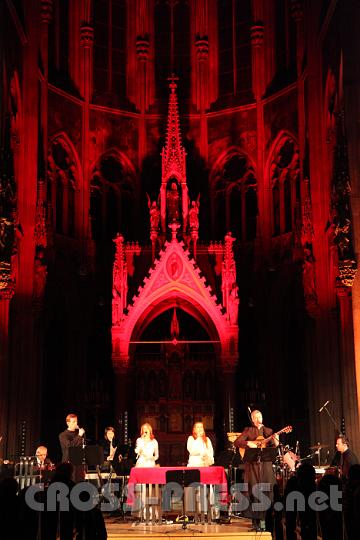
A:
x: 209, y: 476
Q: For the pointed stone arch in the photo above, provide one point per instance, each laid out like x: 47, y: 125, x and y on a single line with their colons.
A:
x: 113, y: 189
x: 282, y: 181
x: 232, y: 177
x: 64, y: 184
x: 169, y: 299
x: 119, y: 156
x: 62, y: 136
x: 175, y: 278
x: 276, y: 144
x: 15, y: 108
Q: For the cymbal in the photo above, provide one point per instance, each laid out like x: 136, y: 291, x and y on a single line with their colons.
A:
x: 318, y: 446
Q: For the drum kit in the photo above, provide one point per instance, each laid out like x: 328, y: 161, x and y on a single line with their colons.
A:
x: 289, y: 461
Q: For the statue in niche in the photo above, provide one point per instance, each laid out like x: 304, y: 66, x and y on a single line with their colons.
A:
x: 194, y: 215
x: 342, y: 238
x: 174, y: 266
x: 154, y: 214
x: 233, y: 304
x: 309, y: 273
x: 7, y: 233
x: 172, y: 202
x: 3, y: 224
x: 40, y: 274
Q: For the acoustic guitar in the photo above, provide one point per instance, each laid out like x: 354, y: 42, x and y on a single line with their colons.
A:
x: 260, y: 441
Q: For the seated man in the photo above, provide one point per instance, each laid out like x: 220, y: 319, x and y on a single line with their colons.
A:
x: 42, y: 461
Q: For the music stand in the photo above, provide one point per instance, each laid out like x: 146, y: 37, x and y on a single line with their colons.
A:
x: 260, y: 455
x: 122, y: 471
x: 90, y: 456
x: 94, y: 455
x: 185, y: 478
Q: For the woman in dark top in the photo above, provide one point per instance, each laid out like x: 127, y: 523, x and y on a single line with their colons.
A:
x: 109, y: 445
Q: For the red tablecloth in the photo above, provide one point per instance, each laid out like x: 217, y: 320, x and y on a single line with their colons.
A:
x: 157, y: 475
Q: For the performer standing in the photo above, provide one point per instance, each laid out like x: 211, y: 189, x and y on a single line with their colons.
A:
x: 201, y: 452
x: 347, y: 457
x: 147, y: 451
x: 109, y: 445
x: 72, y: 436
x: 147, y: 448
x: 258, y: 472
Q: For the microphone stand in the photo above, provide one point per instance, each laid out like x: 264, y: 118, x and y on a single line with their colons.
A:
x: 232, y: 478
x: 84, y: 464
x: 330, y: 416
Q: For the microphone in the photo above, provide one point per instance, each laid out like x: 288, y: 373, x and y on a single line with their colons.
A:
x: 323, y: 407
x: 249, y: 410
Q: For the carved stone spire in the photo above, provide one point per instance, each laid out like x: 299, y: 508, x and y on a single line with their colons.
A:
x: 308, y: 265
x: 173, y: 153
x: 174, y: 327
x: 341, y: 205
x: 174, y: 192
x: 230, y: 289
x: 120, y: 285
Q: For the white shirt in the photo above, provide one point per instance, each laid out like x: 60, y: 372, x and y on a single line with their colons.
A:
x: 201, y: 454
x: 147, y: 451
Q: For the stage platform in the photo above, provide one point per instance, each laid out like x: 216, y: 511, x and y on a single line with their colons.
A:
x: 121, y: 530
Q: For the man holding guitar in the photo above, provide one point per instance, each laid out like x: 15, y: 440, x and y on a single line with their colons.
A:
x: 258, y: 436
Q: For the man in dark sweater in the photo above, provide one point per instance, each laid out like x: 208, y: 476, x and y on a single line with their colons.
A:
x: 347, y: 457
x: 257, y: 473
x: 72, y: 436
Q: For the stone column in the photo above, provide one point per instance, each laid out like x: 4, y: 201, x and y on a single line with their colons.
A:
x: 4, y: 369
x: 86, y: 44
x: 140, y: 64
x: 351, y: 89
x: 122, y: 389
x: 258, y: 87
x: 323, y: 366
x: 142, y: 54
x: 24, y: 387
x: 228, y: 398
x: 348, y: 371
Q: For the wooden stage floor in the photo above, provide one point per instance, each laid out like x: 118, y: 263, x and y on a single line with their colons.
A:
x: 239, y: 528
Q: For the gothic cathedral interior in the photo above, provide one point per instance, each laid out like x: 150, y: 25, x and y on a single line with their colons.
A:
x: 179, y: 218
